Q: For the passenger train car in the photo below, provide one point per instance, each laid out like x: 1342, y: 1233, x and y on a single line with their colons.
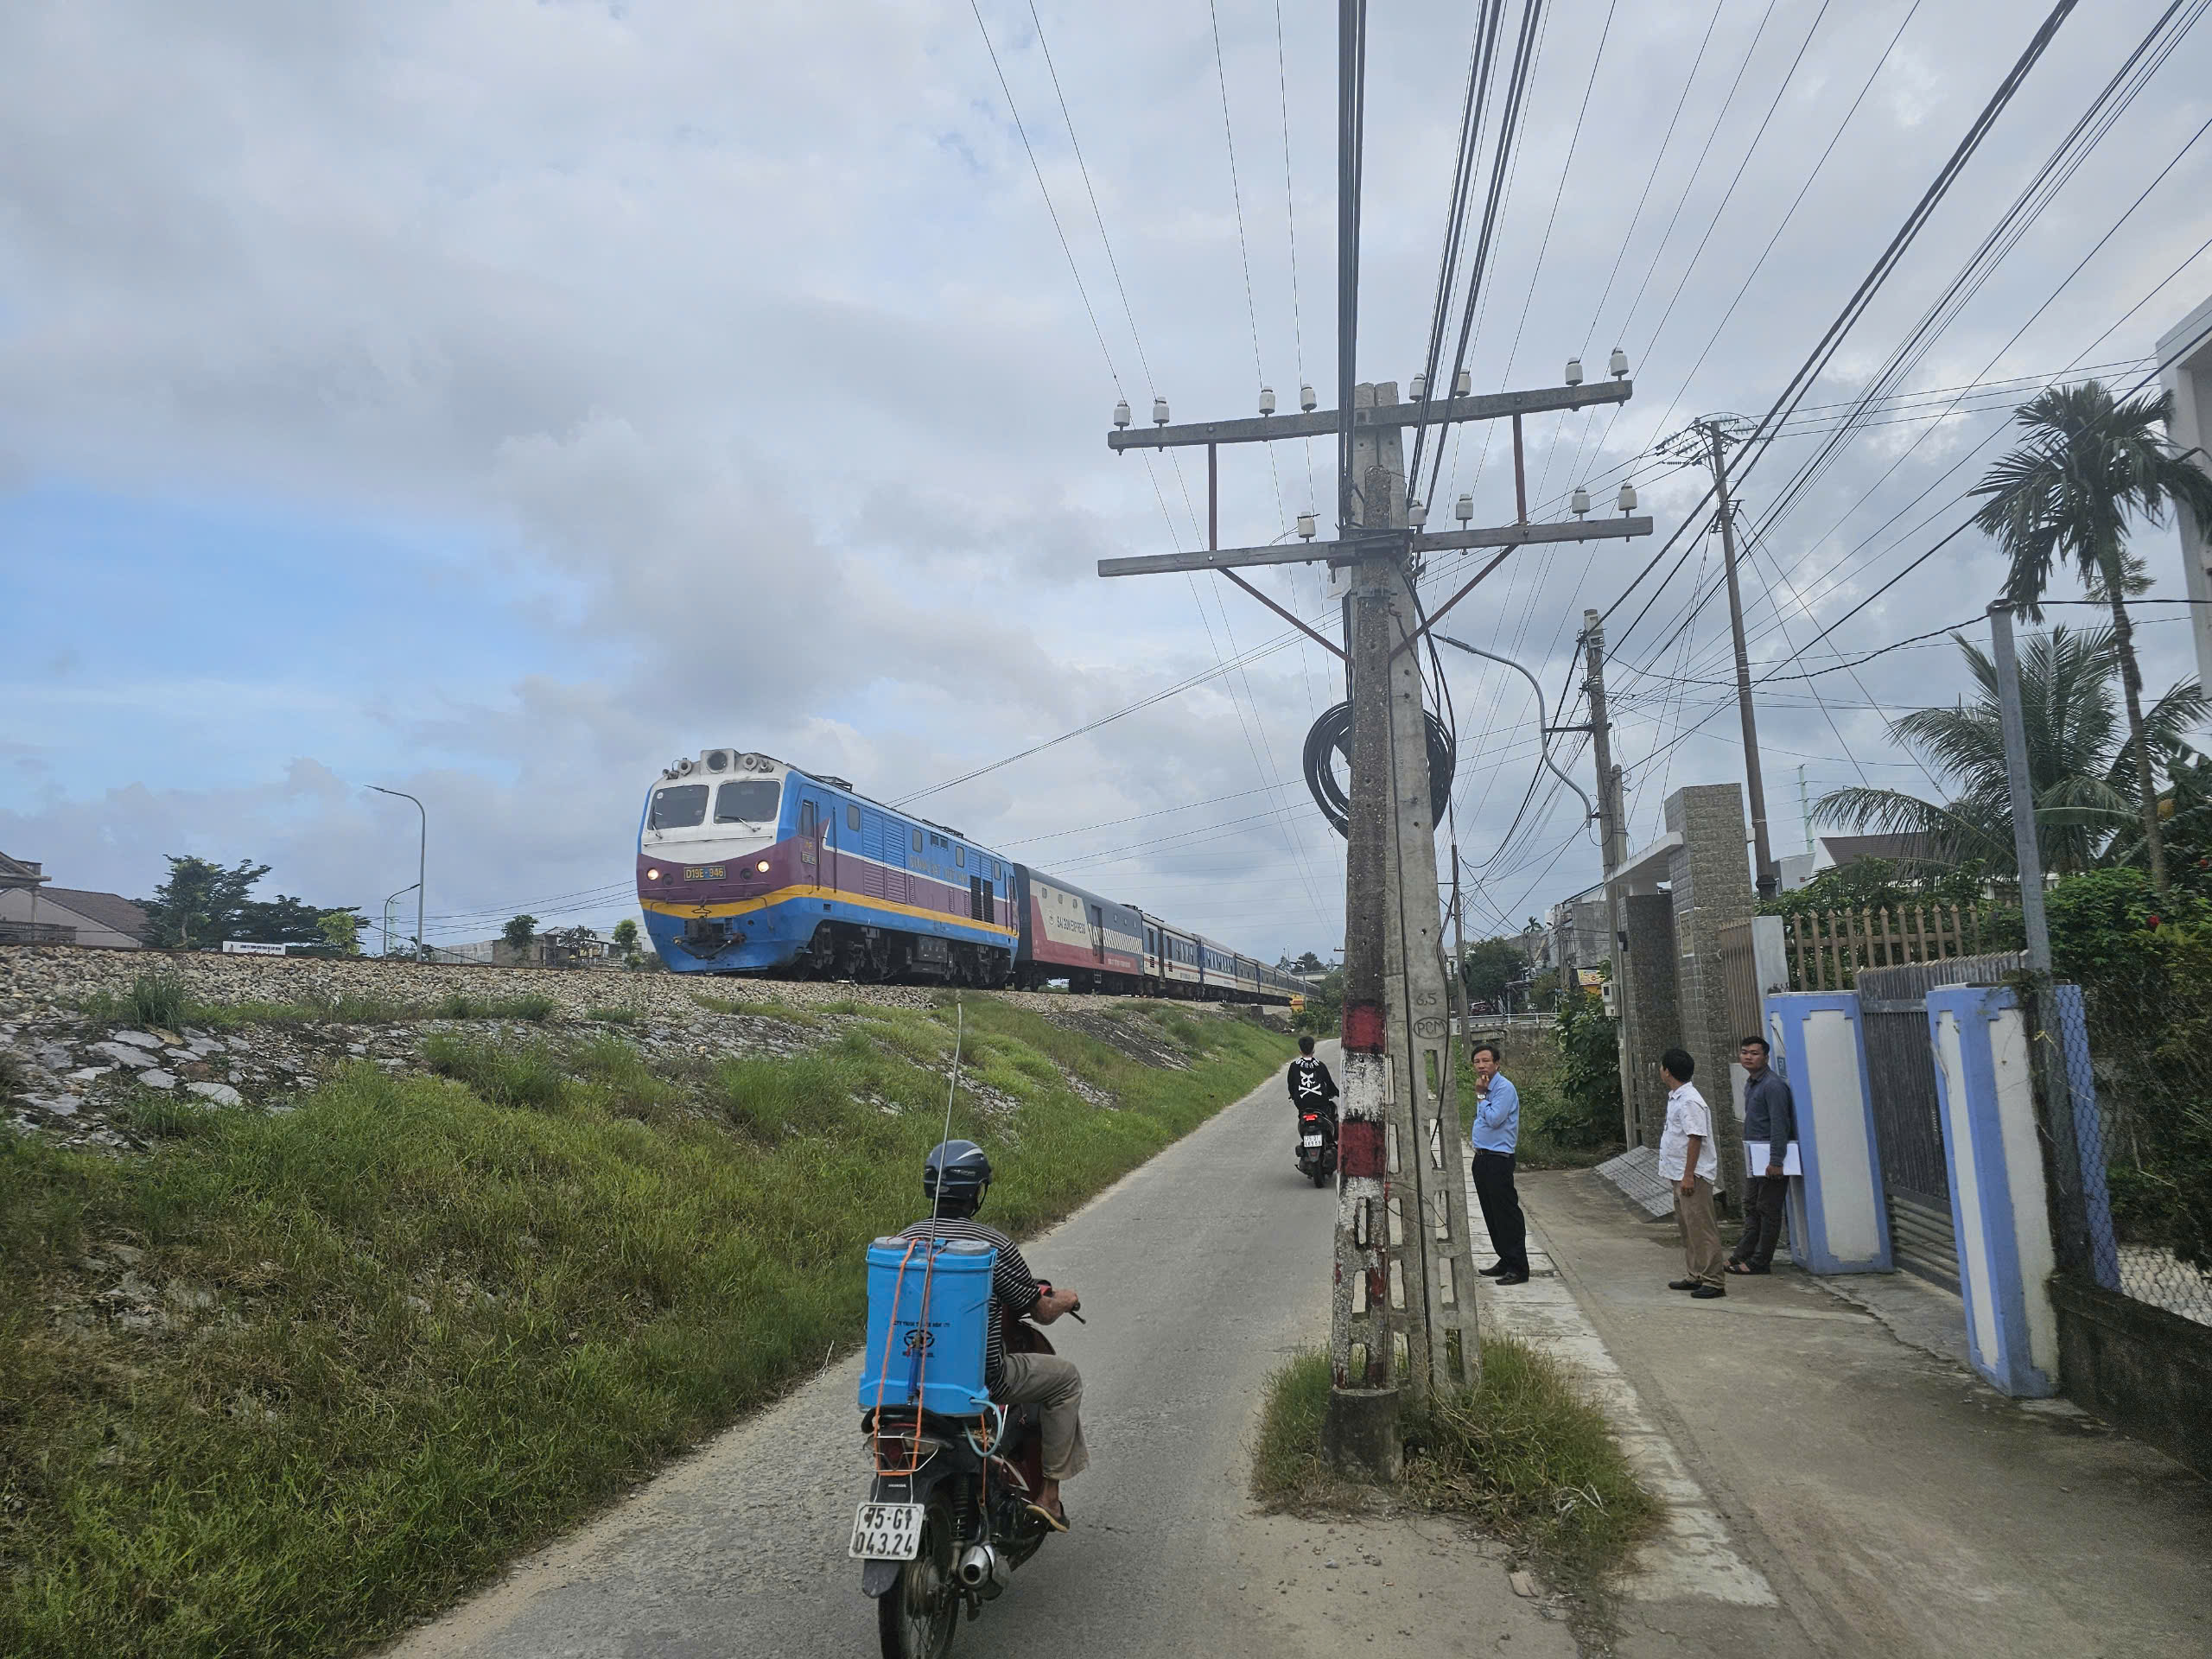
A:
x: 746, y: 865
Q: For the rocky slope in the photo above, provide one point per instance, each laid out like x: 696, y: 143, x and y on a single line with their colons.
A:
x: 80, y: 1059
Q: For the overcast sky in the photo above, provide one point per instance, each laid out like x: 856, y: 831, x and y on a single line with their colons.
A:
x: 495, y: 400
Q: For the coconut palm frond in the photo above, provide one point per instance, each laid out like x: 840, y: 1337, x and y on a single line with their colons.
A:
x: 2166, y: 726
x: 2090, y: 466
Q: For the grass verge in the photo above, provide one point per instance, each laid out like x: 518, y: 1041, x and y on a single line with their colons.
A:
x: 291, y: 1381
x: 1526, y: 1456
x: 162, y: 1000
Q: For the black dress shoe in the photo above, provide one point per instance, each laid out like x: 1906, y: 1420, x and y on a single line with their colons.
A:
x: 1684, y: 1284
x: 1706, y: 1292
x: 1494, y: 1269
x: 1516, y: 1277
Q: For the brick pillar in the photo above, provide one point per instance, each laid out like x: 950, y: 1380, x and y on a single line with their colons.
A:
x: 1651, y: 1023
x: 1710, y: 875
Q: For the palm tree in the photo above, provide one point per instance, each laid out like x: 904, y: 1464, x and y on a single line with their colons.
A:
x: 2089, y: 465
x: 2080, y: 770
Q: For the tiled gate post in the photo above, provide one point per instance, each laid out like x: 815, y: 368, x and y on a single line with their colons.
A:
x: 1837, y: 1222
x: 1986, y: 1093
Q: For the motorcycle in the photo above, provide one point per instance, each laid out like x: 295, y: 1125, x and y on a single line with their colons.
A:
x: 1317, y: 1147
x: 947, y: 1519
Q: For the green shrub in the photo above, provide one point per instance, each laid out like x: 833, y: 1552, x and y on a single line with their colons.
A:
x: 2145, y: 966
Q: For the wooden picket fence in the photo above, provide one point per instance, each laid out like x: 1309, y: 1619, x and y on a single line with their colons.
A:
x: 1828, y: 947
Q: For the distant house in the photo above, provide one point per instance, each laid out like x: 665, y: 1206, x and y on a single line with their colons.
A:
x: 1913, y: 854
x: 33, y: 911
x: 555, y: 950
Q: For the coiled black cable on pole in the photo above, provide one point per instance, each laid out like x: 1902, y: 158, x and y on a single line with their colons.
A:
x: 1331, y: 736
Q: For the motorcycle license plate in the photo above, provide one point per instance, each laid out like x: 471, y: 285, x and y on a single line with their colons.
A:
x: 887, y: 1532
x: 1309, y: 1140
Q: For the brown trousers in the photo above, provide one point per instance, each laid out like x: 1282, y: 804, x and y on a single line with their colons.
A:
x: 1052, y: 1383
x: 1700, y: 1234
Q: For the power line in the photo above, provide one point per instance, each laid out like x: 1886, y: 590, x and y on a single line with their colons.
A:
x: 1801, y: 382
x: 1057, y: 229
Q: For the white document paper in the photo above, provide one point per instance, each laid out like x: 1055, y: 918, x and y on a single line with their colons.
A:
x: 1755, y: 1154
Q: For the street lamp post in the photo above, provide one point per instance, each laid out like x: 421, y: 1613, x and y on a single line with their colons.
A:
x: 389, y: 900
x: 422, y: 854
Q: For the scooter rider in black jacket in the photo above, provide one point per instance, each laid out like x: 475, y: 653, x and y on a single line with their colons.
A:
x: 1312, y: 1087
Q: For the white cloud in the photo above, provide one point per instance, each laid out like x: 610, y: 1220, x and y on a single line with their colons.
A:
x: 738, y: 344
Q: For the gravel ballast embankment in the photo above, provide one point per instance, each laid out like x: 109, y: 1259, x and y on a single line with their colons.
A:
x: 69, y: 1074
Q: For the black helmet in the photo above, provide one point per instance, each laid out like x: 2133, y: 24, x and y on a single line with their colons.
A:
x: 956, y: 1175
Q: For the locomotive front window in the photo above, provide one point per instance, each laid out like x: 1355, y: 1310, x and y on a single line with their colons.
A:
x: 753, y: 800
x: 679, y: 806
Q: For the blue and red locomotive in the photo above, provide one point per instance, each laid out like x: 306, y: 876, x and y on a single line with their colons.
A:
x: 746, y: 865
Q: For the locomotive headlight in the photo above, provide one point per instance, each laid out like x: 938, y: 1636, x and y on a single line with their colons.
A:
x: 762, y: 866
x: 652, y: 874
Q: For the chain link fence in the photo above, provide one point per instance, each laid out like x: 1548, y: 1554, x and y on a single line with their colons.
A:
x: 2140, y: 1077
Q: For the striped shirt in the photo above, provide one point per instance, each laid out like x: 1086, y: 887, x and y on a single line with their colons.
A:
x: 1013, y: 1287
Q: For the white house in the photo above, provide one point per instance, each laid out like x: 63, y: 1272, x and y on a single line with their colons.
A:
x: 33, y: 911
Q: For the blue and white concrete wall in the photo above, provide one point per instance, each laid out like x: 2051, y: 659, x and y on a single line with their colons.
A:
x: 1985, y: 1094
x: 1838, y: 1220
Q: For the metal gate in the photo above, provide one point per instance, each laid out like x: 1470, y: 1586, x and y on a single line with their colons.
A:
x: 1740, y: 980
x: 1901, y: 1077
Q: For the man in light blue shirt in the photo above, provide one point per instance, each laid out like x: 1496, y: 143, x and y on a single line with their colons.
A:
x: 1496, y: 1132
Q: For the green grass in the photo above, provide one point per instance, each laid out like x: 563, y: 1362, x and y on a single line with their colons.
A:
x: 161, y: 1000
x: 1526, y: 1456
x: 531, y: 1005
x: 450, y: 1314
x: 612, y: 1016
x: 154, y: 998
x: 152, y: 1113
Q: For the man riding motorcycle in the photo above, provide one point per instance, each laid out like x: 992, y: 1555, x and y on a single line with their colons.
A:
x: 955, y: 1176
x: 1312, y: 1087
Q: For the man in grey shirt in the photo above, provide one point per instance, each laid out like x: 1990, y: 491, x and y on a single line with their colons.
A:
x: 1769, y: 1115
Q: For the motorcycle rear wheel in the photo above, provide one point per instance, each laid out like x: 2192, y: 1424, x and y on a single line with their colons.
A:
x: 916, y: 1617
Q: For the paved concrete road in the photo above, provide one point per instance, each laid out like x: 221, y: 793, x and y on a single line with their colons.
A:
x: 1198, y: 1273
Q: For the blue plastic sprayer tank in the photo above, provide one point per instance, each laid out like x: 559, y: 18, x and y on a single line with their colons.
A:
x: 937, y: 1359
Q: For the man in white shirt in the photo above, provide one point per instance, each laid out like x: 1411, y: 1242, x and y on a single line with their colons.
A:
x: 1688, y: 1163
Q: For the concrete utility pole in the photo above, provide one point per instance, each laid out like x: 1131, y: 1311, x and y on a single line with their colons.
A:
x: 1763, y: 868
x: 1705, y: 443
x: 1613, y: 835
x: 1402, y: 1308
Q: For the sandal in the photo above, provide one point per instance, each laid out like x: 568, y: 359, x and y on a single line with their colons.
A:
x: 1056, y: 1523
x: 1739, y: 1267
